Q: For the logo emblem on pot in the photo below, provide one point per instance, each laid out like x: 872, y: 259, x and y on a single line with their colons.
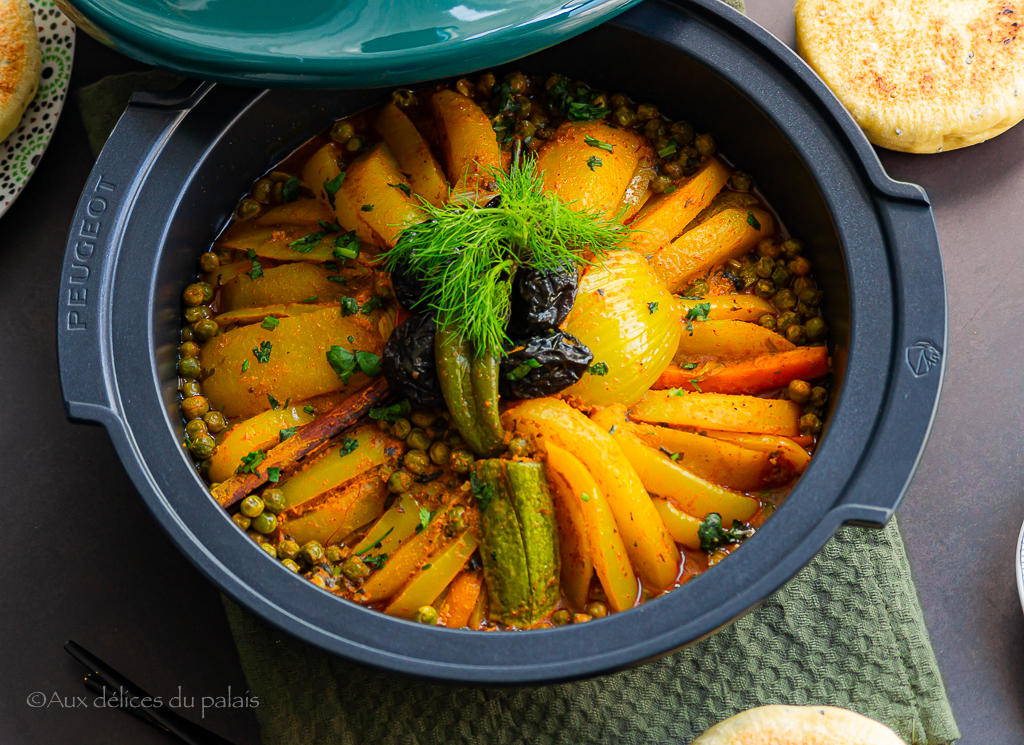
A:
x: 922, y: 357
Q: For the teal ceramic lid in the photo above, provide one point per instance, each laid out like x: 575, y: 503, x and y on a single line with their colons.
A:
x: 333, y: 43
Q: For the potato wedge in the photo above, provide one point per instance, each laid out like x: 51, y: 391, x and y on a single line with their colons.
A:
x: 727, y: 464
x: 664, y: 216
x: 754, y: 375
x: 274, y: 242
x: 256, y: 433
x: 599, y: 548
x: 413, y: 154
x: 392, y: 530
x: 728, y: 340
x: 245, y: 316
x: 786, y: 451
x: 297, y: 367
x: 406, y: 561
x: 680, y: 524
x: 667, y: 478
x: 469, y: 145
x: 321, y: 174
x: 376, y: 191
x: 719, y: 411
x: 727, y: 235
x: 637, y: 192
x: 288, y: 283
x: 341, y: 512
x: 433, y: 577
x: 585, y: 175
x: 650, y: 549
x: 730, y: 307
x: 300, y: 212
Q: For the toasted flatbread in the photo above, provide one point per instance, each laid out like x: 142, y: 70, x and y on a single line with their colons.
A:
x: 919, y: 75
x: 798, y: 725
x: 20, y: 62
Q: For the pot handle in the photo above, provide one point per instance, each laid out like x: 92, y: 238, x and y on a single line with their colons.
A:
x: 87, y: 281
x: 920, y: 335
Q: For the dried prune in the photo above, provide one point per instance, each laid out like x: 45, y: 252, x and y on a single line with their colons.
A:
x: 542, y: 365
x: 541, y: 299
x: 408, y: 362
x: 408, y: 287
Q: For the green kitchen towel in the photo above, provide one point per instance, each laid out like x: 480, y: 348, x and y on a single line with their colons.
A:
x: 846, y: 631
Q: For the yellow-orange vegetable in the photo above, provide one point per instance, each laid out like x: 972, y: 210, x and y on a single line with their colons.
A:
x: 664, y: 216
x: 322, y: 169
x: 432, y: 578
x: 599, y: 545
x: 637, y: 193
x: 413, y: 154
x: 272, y: 242
x: 629, y: 320
x: 372, y: 192
x: 469, y: 145
x: 339, y: 513
x: 785, y: 449
x: 300, y: 212
x: 727, y: 235
x: 769, y: 416
x: 297, y: 367
x: 462, y: 597
x: 405, y: 561
x: 288, y: 283
x: 587, y: 177
x: 728, y: 340
x: 391, y: 531
x: 245, y: 316
x: 337, y: 465
x: 681, y: 525
x: 651, y: 550
x: 667, y: 478
x: 753, y: 375
x: 256, y: 433
x: 730, y: 307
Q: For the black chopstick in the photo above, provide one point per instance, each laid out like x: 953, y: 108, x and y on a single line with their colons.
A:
x: 95, y: 684
x: 102, y: 675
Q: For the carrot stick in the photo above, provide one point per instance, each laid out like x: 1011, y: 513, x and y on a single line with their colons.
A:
x: 461, y: 599
x: 754, y: 375
x: 302, y: 443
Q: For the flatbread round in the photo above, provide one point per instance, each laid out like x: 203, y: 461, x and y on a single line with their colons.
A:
x: 919, y: 75
x: 20, y: 62
x: 798, y: 725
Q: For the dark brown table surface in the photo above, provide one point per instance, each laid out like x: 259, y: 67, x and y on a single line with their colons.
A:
x: 84, y: 560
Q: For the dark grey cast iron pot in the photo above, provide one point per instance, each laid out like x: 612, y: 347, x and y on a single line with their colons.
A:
x: 176, y: 164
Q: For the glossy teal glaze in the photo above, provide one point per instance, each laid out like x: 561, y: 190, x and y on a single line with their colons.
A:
x: 334, y: 43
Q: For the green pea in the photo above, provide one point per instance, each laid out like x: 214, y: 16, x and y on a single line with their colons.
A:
x: 455, y: 439
x: 697, y: 288
x: 287, y: 549
x: 764, y: 288
x: 796, y: 334
x: 247, y: 209
x: 784, y: 299
x: 319, y: 581
x: 682, y: 133
x: 186, y: 334
x: 194, y: 407
x: 191, y: 388
x: 192, y: 315
x: 399, y: 482
x: 427, y: 614
x: 439, y: 453
x: 654, y: 128
x: 355, y: 569
x: 194, y: 295
x: 262, y: 189
x: 581, y: 617
x: 417, y: 439
x: 252, y: 506
x: 561, y: 617
x: 785, y: 320
x: 799, y: 391
x: 195, y: 428
x: 810, y: 296
x: 332, y: 554
x: 792, y: 248
x: 355, y: 144
x: 202, y: 446
x: 810, y: 424
x: 215, y: 421
x: 485, y: 84
x: 768, y: 247
x: 241, y: 520
x: 208, y: 262
x: 647, y: 111
x: 461, y: 461
x: 265, y: 523
x: 424, y: 419
x: 816, y: 329
x: 625, y: 116
x: 291, y: 565
x: 465, y: 87
x: 800, y: 267
x: 417, y: 461
x: 274, y: 501
x: 765, y: 266
x: 597, y: 609
x: 819, y: 395
x: 402, y: 428
x: 705, y: 145
x: 270, y: 548
x: 520, y: 447
x: 800, y: 284
x: 780, y: 276
x: 526, y: 130
x: 457, y: 519
x: 312, y: 553
x: 768, y: 321
x: 742, y: 182
x: 260, y: 539
x: 206, y: 329
x: 342, y: 132
x: 619, y: 99
x: 660, y: 182
x: 805, y: 310
x: 188, y: 349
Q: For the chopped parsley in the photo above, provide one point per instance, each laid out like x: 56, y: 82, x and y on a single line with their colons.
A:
x: 257, y: 267
x: 669, y: 189
x: 676, y: 392
x: 284, y: 434
x: 752, y: 221
x: 290, y: 190
x: 601, y: 368
x: 307, y: 243
x: 594, y: 142
x: 484, y: 493
x: 262, y: 352
x: 585, y: 497
x: 340, y: 279
x: 270, y: 323
x: 425, y: 517
x: 375, y: 562
x: 523, y: 370
x: 695, y: 386
x: 669, y: 149
x: 311, y: 299
x: 331, y: 186
x: 689, y: 365
x: 347, y: 246
x: 349, y: 305
x: 309, y: 409
x: 391, y: 413
x: 245, y: 365
x: 273, y: 474
x: 367, y: 208
x: 652, y: 307
x: 674, y: 456
x: 698, y: 312
x: 274, y: 403
x: 330, y: 227
x: 594, y: 162
x: 577, y: 105
x: 251, y: 461
x: 348, y: 445
x: 369, y: 305
x: 712, y: 534
x: 345, y: 363
x: 376, y: 544
x: 404, y: 188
